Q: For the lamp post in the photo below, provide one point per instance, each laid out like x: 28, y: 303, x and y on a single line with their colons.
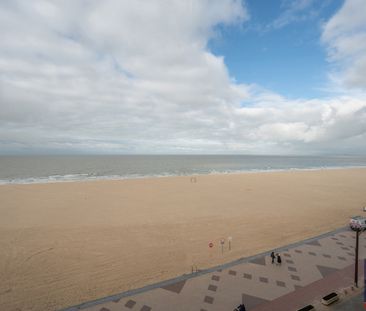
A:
x: 358, y: 232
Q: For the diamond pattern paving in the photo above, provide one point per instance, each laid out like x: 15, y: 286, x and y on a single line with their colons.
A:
x: 252, y: 282
x: 259, y: 261
x: 315, y: 243
x: 176, y: 287
x: 326, y: 270
x: 251, y: 301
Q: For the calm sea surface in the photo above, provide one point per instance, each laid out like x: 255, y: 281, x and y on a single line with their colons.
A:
x: 40, y: 169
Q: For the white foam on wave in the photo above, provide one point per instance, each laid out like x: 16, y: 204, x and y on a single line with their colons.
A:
x: 94, y: 177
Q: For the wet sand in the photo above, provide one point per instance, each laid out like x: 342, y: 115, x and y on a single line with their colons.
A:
x: 65, y: 243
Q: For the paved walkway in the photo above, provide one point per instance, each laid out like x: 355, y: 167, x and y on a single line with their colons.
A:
x: 309, y: 270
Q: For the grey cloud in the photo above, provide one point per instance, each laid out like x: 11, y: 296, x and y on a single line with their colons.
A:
x: 137, y: 77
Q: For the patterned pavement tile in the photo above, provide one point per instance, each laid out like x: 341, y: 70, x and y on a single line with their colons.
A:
x: 209, y: 299
x: 247, y: 276
x: 324, y: 271
x: 315, y: 243
x: 176, y: 287
x: 232, y: 272
x: 251, y: 302
x: 327, y: 256
x: 145, y: 308
x: 259, y: 261
x: 289, y: 261
x: 263, y: 279
x: 281, y: 284
x: 312, y: 253
x: 293, y: 269
x: 130, y: 304
x: 215, y: 278
x: 341, y: 258
x: 212, y: 288
x: 298, y: 251
x: 295, y: 277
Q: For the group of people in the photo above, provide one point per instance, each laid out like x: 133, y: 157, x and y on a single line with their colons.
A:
x: 276, y: 257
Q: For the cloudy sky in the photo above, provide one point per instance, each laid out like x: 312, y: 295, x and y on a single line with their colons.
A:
x: 183, y: 76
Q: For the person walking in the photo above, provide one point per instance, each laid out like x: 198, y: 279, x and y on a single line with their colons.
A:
x: 273, y: 257
x: 240, y: 308
x: 279, y: 260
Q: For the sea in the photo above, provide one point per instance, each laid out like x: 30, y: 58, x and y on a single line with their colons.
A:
x: 44, y: 169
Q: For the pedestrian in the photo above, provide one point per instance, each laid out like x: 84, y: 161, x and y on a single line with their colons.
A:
x: 279, y: 260
x: 273, y: 257
x: 240, y: 308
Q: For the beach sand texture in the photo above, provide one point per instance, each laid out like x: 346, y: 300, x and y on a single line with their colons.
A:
x: 66, y: 243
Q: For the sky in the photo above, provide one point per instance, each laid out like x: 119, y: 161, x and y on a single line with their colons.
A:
x: 183, y: 77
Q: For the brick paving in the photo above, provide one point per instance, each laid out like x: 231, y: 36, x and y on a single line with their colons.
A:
x: 308, y: 271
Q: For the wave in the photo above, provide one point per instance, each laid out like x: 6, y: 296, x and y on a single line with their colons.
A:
x: 78, y: 177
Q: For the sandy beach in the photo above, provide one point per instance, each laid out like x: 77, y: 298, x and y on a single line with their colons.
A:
x: 65, y: 243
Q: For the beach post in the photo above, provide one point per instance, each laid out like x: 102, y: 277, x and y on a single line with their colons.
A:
x: 222, y: 242
x: 230, y: 239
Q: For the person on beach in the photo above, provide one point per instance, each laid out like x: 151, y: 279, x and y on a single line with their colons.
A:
x: 273, y: 257
x: 240, y: 308
x: 279, y: 260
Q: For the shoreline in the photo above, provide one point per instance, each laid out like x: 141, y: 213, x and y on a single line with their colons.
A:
x: 158, y: 176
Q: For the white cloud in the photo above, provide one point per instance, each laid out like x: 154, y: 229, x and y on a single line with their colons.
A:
x: 294, y: 11
x: 345, y: 36
x: 137, y: 77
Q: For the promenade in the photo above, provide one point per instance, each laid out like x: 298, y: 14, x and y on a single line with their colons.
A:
x: 310, y: 269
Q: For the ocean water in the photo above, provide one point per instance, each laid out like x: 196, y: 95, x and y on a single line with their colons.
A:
x: 42, y: 169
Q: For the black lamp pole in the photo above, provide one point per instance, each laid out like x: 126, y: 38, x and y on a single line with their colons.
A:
x: 358, y: 231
